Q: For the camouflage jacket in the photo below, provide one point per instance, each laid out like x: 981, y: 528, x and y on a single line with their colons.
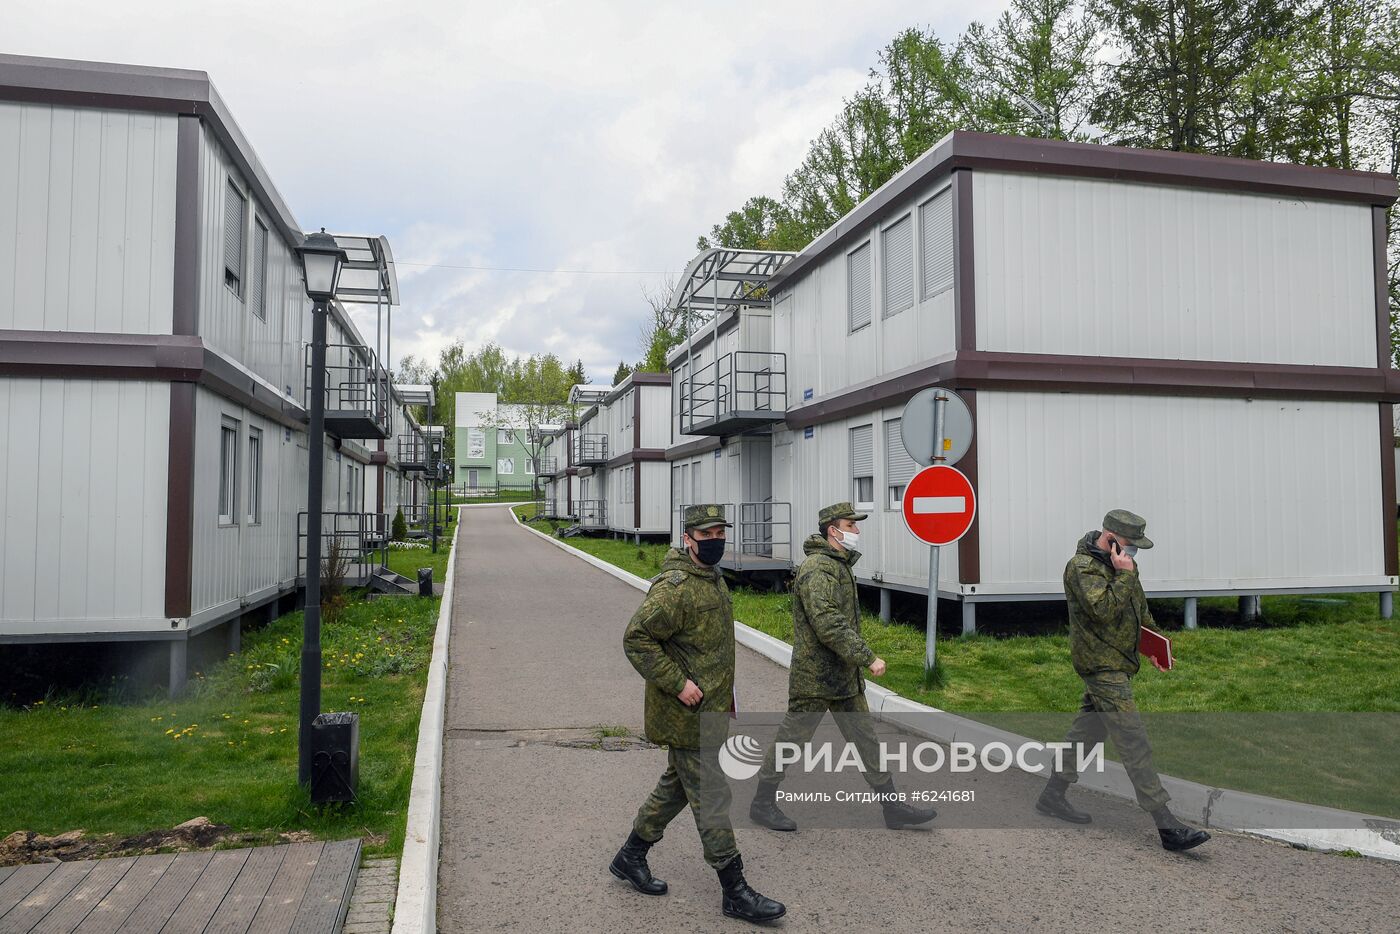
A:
x: 1106, y: 607
x: 828, y: 651
x: 684, y: 629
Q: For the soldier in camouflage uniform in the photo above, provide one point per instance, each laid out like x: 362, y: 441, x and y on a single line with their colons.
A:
x: 828, y: 653
x: 1107, y: 607
x: 681, y: 640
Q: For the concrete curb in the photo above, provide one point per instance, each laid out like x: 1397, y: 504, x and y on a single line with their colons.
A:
x: 1211, y: 807
x: 415, y: 906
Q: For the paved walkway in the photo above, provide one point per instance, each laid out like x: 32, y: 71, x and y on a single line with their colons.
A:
x: 532, y: 814
x: 301, y: 887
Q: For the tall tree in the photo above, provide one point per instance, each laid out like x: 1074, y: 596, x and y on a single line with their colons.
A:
x: 622, y: 372
x: 576, y: 375
x: 1179, y: 68
x: 1032, y: 72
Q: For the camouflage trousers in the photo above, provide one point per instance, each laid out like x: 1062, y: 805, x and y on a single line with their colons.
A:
x: 693, y: 778
x: 852, y: 719
x: 1109, y: 712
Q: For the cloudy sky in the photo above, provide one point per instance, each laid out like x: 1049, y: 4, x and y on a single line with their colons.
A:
x: 587, y: 142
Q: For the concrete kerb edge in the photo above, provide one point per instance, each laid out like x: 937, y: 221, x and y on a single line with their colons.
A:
x: 1211, y: 807
x: 415, y: 905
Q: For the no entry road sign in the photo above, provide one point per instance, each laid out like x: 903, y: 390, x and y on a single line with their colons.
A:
x: 939, y: 505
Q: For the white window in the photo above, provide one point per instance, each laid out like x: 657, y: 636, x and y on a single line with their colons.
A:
x: 259, y: 270
x: 858, y: 287
x: 863, y: 466
x: 235, y: 224
x: 352, y: 474
x: 505, y: 436
x: 936, y: 243
x: 505, y: 465
x: 228, y: 472
x: 529, y: 466
x: 254, y: 476
x: 897, y: 266
x: 899, y: 466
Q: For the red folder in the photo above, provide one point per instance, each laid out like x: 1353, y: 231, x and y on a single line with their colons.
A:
x: 1156, y: 646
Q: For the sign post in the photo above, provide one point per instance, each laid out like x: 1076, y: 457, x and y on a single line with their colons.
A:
x: 940, y: 408
x: 939, y: 502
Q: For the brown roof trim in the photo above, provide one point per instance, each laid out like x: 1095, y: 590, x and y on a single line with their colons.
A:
x: 994, y: 152
x: 650, y: 379
x: 173, y: 358
x: 691, y: 448
x: 1115, y: 375
x: 637, y: 454
x: 179, y: 508
x: 380, y: 458
x: 110, y: 86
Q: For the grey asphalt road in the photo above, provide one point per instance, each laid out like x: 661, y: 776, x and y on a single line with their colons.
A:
x: 532, y: 813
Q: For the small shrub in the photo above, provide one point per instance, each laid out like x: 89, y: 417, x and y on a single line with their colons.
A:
x: 400, y: 527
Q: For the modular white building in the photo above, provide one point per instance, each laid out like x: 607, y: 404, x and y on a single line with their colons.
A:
x: 1203, y: 340
x: 153, y: 366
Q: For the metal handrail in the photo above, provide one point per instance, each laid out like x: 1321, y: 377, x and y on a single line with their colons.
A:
x: 547, y: 466
x: 412, y: 449
x: 363, y: 537
x: 739, y: 381
x: 590, y: 448
x: 591, y: 513
x: 762, y: 530
x: 355, y: 382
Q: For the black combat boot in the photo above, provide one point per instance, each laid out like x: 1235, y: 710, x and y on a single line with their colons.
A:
x: 740, y: 901
x: 1052, y: 803
x: 765, y: 811
x: 898, y: 814
x: 630, y: 865
x: 1175, y: 835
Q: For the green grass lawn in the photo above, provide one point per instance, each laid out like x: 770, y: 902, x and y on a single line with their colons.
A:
x: 228, y: 751
x: 1328, y: 663
x: 407, y: 561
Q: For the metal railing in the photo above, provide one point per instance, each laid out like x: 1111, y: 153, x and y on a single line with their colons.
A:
x: 357, y: 396
x: 413, y: 452
x: 591, y: 449
x: 591, y: 513
x: 762, y: 533
x: 360, y: 539
x: 547, y: 466
x: 743, y: 387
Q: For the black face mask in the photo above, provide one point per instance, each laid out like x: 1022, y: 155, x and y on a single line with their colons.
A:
x: 709, y: 551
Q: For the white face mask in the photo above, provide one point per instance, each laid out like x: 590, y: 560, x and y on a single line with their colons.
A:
x: 849, y: 539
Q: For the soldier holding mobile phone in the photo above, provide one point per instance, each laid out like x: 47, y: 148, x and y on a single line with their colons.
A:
x: 1107, y: 608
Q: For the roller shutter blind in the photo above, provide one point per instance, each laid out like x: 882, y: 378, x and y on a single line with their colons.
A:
x: 858, y: 287
x: 936, y: 240
x: 897, y: 267
x: 234, y: 223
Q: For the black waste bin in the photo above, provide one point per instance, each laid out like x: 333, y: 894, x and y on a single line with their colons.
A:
x: 335, y: 757
x: 425, y: 582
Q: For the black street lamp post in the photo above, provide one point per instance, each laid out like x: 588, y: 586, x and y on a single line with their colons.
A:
x: 321, y: 260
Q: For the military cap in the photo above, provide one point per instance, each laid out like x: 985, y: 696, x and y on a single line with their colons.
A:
x: 839, y: 511
x: 705, y: 516
x: 1128, y: 526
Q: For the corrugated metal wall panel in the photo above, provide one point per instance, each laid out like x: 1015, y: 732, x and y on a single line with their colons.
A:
x: 1227, y: 493
x: 83, y: 487
x: 1082, y: 266
x: 87, y: 219
x: 272, y: 346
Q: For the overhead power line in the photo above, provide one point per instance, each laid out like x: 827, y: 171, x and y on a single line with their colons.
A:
x: 571, y: 272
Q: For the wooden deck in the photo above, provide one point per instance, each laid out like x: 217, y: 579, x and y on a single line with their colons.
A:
x: 299, y: 888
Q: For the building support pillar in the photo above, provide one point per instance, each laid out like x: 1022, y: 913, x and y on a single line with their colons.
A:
x: 233, y: 636
x: 1249, y: 608
x: 1190, y: 612
x: 969, y: 618
x: 1387, y: 604
x: 884, y: 604
x: 179, y: 665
